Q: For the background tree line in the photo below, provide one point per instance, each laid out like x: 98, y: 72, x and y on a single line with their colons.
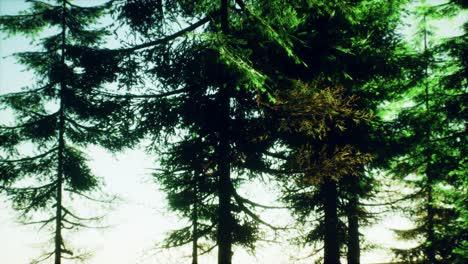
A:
x: 295, y: 93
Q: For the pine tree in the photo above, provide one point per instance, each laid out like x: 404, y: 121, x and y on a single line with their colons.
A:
x: 434, y: 130
x: 260, y: 54
x: 205, y: 118
x: 43, y: 163
x: 319, y: 165
x: 339, y: 44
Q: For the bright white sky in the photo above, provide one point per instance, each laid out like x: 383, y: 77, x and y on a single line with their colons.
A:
x: 139, y: 220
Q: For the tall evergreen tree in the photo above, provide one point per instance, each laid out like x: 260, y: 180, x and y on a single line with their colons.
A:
x: 433, y: 132
x: 342, y: 44
x: 318, y: 167
x: 207, y: 110
x: 43, y: 163
x: 274, y: 64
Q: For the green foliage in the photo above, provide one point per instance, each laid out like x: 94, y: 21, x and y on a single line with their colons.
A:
x: 431, y: 135
x: 293, y: 89
x: 42, y: 156
x: 324, y: 105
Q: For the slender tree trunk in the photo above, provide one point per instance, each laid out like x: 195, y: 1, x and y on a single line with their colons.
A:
x: 195, y: 221
x: 430, y: 250
x: 58, y: 240
x: 354, y: 250
x: 224, y: 181
x: 224, y: 189
x: 331, y: 240
x: 224, y: 215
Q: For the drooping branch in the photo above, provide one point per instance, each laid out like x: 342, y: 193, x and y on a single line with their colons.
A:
x: 72, y: 224
x: 32, y: 91
x: 89, y: 197
x: 68, y: 212
x: 254, y: 204
x: 246, y: 210
x: 31, y: 123
x: 208, y: 250
x: 166, y: 39
x: 138, y: 96
x: 42, y: 222
x: 32, y: 157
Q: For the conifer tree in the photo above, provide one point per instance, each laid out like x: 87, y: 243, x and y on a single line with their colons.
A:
x: 268, y: 65
x: 432, y: 132
x: 204, y: 117
x: 351, y: 47
x: 43, y: 161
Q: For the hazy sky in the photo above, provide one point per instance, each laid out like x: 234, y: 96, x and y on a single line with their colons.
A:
x: 139, y: 220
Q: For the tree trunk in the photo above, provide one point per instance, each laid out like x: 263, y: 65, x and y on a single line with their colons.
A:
x: 354, y: 250
x: 430, y: 250
x: 58, y: 240
x: 224, y: 187
x: 58, y: 206
x: 331, y: 240
x: 195, y: 221
x: 224, y: 179
x: 224, y: 216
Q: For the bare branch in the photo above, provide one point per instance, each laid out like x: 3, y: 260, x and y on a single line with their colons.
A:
x: 208, y: 250
x: 43, y: 258
x: 245, y: 200
x: 89, y: 197
x: 42, y: 222
x: 82, y: 225
x: 67, y: 212
x: 246, y: 210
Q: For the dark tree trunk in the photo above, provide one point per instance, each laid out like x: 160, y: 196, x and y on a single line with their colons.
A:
x: 58, y: 206
x: 58, y: 240
x: 195, y: 221
x: 331, y: 240
x: 354, y: 250
x: 224, y: 215
x: 224, y: 186
x: 224, y: 181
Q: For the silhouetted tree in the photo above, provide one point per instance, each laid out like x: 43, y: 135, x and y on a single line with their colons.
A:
x: 43, y: 164
x: 205, y: 119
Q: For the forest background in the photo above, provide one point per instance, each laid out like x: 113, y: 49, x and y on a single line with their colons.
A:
x: 131, y: 239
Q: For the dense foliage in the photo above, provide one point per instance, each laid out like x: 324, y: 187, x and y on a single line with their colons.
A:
x: 295, y: 93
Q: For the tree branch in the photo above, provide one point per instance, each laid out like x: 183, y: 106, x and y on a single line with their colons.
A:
x: 170, y: 37
x: 67, y: 212
x: 27, y: 92
x: 43, y: 222
x: 245, y: 200
x: 253, y: 215
x: 31, y: 158
x: 132, y: 96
